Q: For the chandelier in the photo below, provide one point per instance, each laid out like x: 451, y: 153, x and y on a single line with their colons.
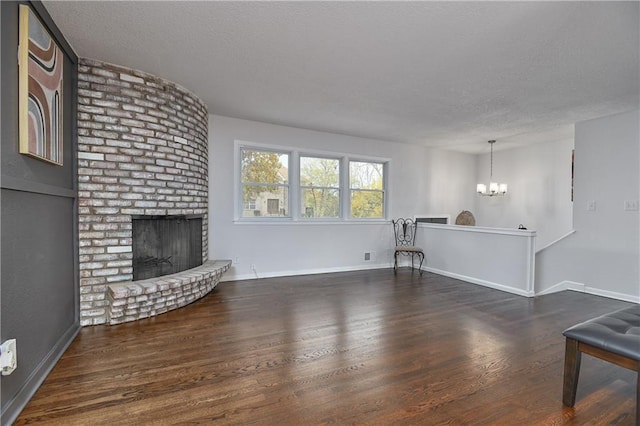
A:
x: 494, y: 187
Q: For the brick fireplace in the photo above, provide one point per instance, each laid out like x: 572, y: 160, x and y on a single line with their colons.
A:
x: 142, y: 151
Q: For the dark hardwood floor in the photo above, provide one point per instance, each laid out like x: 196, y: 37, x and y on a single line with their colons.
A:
x: 365, y: 347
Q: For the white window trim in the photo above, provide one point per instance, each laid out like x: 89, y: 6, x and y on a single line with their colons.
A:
x: 340, y: 186
x: 237, y: 185
x: 385, y: 187
x: 295, y: 216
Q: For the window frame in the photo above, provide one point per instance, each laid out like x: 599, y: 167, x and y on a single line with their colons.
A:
x: 339, y: 188
x: 383, y: 191
x: 240, y: 185
x: 295, y: 187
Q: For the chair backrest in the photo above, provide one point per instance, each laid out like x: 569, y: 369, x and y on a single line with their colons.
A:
x: 405, y: 231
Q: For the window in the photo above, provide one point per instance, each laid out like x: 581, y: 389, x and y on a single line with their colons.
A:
x: 249, y: 205
x: 274, y: 183
x: 319, y: 187
x: 264, y: 183
x: 366, y: 188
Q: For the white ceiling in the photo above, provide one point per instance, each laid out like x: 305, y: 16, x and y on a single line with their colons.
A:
x: 446, y: 74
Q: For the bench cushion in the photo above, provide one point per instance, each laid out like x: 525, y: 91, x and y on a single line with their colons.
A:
x: 617, y: 332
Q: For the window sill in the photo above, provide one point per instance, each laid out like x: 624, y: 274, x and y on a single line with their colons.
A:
x: 313, y: 222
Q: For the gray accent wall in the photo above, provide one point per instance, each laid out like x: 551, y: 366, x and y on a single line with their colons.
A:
x: 39, y: 278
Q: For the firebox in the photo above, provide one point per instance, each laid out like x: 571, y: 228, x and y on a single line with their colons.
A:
x: 165, y: 245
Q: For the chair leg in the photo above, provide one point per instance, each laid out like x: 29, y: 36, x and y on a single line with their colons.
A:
x: 421, y: 256
x: 572, y: 357
x: 395, y: 261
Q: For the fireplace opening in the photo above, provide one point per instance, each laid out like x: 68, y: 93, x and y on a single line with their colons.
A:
x: 165, y: 245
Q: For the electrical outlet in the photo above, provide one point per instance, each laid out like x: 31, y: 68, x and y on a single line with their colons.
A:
x: 8, y: 357
x: 631, y: 205
x: 237, y: 261
x: 253, y: 267
x: 367, y: 256
x: 591, y: 206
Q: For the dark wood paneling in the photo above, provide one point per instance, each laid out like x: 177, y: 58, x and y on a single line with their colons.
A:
x: 364, y: 347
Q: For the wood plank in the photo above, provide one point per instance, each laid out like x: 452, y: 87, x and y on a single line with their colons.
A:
x: 367, y: 347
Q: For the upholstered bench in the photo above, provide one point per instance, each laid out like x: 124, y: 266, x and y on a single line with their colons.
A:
x: 613, y: 337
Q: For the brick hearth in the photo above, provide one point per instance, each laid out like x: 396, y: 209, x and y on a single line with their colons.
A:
x: 130, y: 301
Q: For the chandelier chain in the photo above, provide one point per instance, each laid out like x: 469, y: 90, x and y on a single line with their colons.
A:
x: 491, y: 168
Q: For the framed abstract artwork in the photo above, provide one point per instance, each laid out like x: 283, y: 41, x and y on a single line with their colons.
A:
x: 40, y: 90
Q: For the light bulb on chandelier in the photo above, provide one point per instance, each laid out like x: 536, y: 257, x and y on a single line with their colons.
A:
x: 495, y: 188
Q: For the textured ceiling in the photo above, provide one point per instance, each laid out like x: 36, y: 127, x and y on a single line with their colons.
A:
x: 448, y: 74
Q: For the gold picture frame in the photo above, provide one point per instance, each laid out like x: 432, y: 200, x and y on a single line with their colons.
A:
x: 40, y: 90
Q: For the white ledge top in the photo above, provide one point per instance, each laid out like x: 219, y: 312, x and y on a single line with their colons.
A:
x: 481, y: 229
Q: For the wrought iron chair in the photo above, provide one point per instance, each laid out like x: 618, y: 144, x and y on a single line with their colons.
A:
x: 404, y: 231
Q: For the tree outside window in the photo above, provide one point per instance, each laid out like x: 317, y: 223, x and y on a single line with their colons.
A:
x: 366, y: 187
x: 326, y: 186
x: 320, y: 187
x: 265, y: 182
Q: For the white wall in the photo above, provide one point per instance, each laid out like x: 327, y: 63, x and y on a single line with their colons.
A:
x: 450, y: 182
x: 493, y: 257
x: 539, y: 197
x: 602, y: 257
x: 422, y: 180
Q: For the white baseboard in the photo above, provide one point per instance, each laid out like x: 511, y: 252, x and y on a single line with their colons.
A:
x: 612, y: 294
x: 481, y: 282
x: 561, y: 286
x: 273, y: 274
x: 583, y: 288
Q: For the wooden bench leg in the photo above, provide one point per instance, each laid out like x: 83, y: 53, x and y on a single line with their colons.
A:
x: 572, y: 357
